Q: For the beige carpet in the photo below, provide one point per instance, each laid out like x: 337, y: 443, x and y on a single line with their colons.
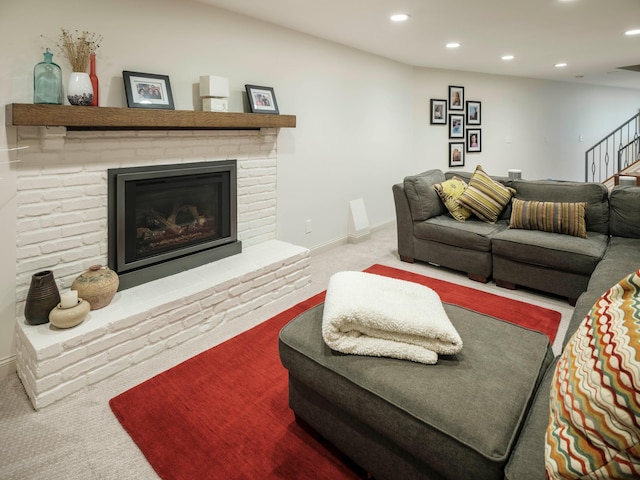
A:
x: 78, y: 438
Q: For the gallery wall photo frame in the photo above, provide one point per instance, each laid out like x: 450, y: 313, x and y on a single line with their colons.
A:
x: 456, y: 97
x: 456, y: 125
x: 262, y: 99
x: 438, y: 111
x: 474, y: 140
x: 456, y: 154
x: 473, y: 112
x: 147, y: 90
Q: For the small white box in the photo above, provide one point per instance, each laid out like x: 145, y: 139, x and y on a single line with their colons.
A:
x: 211, y: 104
x: 212, y: 86
x: 515, y: 174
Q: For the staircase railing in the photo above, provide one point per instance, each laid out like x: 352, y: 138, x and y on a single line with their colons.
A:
x: 629, y: 153
x: 614, y: 152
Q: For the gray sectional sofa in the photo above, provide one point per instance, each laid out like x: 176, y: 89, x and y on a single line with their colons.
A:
x: 481, y: 414
x: 554, y: 263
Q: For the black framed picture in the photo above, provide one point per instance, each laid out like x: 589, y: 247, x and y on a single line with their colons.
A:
x: 474, y: 140
x: 261, y: 99
x: 438, y: 111
x: 473, y: 112
x: 147, y: 90
x: 456, y: 98
x: 456, y: 154
x: 456, y: 125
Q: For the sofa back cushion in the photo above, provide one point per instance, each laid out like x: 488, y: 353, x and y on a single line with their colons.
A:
x: 424, y: 202
x: 595, y: 194
x: 594, y: 426
x: 625, y: 212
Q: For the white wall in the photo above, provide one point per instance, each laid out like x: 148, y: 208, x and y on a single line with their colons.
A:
x: 362, y: 120
x: 544, y: 120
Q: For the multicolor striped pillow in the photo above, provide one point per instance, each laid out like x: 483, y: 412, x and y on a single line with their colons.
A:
x: 566, y: 218
x: 594, y: 426
x: 485, y: 197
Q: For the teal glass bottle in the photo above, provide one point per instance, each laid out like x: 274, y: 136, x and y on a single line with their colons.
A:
x: 47, y: 81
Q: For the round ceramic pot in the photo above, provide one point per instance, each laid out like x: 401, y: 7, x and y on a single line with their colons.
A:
x: 79, y: 89
x: 98, y: 285
x: 69, y: 317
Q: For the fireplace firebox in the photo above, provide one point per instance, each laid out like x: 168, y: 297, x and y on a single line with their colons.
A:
x: 164, y: 219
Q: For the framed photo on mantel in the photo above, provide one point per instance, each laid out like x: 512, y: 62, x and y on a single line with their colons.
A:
x: 147, y: 90
x: 261, y: 99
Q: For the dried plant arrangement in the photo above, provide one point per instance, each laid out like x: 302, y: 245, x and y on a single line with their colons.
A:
x: 78, y: 48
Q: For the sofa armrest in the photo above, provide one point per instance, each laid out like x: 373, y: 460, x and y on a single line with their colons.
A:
x: 404, y: 223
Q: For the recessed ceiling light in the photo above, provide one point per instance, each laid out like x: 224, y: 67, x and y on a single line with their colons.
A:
x: 508, y: 57
x: 560, y: 65
x: 633, y: 32
x: 453, y: 45
x: 399, y: 17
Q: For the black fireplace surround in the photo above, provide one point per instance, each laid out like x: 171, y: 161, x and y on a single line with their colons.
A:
x: 164, y: 219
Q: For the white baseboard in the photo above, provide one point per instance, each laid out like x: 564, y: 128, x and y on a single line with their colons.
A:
x: 7, y: 367
x: 344, y: 240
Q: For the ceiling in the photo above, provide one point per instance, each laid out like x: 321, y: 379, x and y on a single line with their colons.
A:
x: 586, y: 34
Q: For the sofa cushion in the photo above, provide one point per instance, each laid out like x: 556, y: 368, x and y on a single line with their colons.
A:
x: 449, y: 191
x: 594, y: 427
x: 424, y: 202
x: 555, y: 217
x: 551, y: 250
x: 625, y: 211
x: 460, y: 415
x: 595, y: 194
x: 620, y: 259
x: 527, y: 460
x: 485, y: 197
x: 474, y: 234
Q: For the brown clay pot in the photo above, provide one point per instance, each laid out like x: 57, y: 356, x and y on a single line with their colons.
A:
x: 97, y: 286
x: 43, y: 296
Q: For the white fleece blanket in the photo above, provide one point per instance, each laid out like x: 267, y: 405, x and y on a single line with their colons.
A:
x: 367, y: 314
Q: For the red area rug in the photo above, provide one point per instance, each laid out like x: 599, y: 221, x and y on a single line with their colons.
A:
x: 224, y: 414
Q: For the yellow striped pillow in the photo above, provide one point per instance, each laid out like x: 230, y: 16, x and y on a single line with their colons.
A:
x: 566, y: 218
x: 485, y: 197
x: 594, y: 424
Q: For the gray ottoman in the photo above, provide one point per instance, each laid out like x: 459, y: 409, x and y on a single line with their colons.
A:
x: 458, y: 419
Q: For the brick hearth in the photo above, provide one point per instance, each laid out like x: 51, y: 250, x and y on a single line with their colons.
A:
x: 62, y: 226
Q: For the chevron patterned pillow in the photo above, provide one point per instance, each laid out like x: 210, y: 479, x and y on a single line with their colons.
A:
x: 594, y: 425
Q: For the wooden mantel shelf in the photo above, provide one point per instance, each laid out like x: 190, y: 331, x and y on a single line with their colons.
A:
x: 110, y: 118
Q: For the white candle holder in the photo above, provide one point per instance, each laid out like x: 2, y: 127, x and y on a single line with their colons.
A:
x: 215, y: 93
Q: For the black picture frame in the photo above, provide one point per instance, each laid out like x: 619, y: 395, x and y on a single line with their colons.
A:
x: 438, y: 111
x: 474, y: 111
x: 147, y: 90
x: 474, y: 144
x: 456, y: 125
x: 262, y: 99
x: 456, y: 97
x: 456, y: 154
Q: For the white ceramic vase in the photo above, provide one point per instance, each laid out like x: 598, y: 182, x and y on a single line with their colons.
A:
x: 79, y: 89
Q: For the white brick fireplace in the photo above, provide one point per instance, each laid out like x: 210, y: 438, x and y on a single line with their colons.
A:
x: 62, y: 226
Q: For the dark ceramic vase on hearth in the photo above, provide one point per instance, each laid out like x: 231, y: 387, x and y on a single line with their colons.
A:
x: 43, y: 297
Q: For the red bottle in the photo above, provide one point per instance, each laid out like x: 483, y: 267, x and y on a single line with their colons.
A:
x: 94, y: 80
